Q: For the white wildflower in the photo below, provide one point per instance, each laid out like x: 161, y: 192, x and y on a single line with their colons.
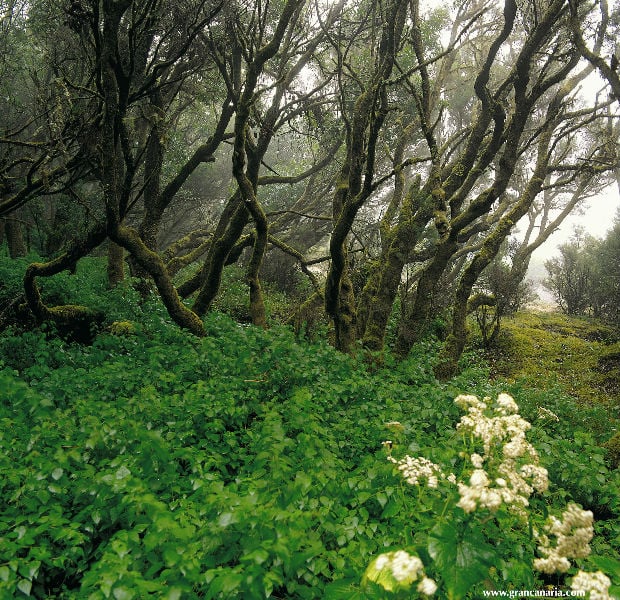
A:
x: 415, y: 469
x: 505, y: 431
x: 388, y: 445
x: 573, y: 534
x: 491, y: 499
x: 479, y: 478
x: 467, y: 402
x: 427, y: 586
x: 506, y: 404
x: 544, y: 413
x: 399, y: 570
x: 477, y: 460
x: 515, y: 448
x: 405, y: 567
x: 538, y: 475
x: 552, y: 564
x: 381, y: 562
x: 595, y: 585
x: 469, y: 498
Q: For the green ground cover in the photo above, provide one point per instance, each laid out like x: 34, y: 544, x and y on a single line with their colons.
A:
x: 579, y: 355
x: 251, y: 464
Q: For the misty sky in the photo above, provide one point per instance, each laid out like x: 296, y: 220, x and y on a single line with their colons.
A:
x: 597, y: 219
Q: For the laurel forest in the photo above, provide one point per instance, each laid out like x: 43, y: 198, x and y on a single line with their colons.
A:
x: 263, y: 265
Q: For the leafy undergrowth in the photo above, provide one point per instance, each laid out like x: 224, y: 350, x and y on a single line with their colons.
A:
x: 242, y: 465
x: 249, y: 464
x: 579, y: 356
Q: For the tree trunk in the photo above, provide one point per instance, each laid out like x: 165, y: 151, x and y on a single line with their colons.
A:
x: 129, y: 239
x: 211, y: 274
x: 415, y: 214
x: 116, y: 264
x: 416, y: 320
x: 15, y: 238
x: 73, y: 320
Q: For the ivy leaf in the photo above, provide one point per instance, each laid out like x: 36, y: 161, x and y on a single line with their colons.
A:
x: 23, y: 585
x: 462, y: 558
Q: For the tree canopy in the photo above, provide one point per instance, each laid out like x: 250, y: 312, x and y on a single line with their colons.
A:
x: 383, y: 149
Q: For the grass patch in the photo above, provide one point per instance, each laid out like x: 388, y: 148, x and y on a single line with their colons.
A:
x: 552, y: 351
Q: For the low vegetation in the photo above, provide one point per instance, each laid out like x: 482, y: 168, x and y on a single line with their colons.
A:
x: 579, y: 356
x: 252, y: 464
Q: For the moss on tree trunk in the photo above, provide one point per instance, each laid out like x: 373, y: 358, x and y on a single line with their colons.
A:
x: 154, y: 265
x: 116, y: 264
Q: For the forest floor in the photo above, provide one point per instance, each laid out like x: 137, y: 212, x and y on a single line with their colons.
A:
x: 580, y: 356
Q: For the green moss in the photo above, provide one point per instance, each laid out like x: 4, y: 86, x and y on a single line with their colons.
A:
x: 122, y: 328
x: 550, y: 350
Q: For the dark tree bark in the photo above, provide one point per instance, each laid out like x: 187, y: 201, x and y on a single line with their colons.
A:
x: 355, y: 183
x: 15, y: 238
x: 116, y: 264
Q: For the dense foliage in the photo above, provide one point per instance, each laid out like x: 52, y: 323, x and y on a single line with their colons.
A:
x: 584, y: 277
x: 251, y: 464
x: 383, y: 151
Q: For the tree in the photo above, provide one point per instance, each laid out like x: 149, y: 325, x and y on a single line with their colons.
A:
x: 603, y: 256
x: 223, y: 132
x: 570, y: 276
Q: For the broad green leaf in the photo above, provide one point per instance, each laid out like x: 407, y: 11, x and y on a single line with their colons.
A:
x: 610, y: 566
x: 343, y: 589
x: 23, y: 585
x: 462, y: 558
x: 393, y: 507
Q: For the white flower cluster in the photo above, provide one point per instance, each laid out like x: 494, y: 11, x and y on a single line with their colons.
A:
x: 573, y: 534
x: 546, y: 414
x: 415, y: 469
x: 400, y: 569
x: 506, y: 452
x: 595, y: 585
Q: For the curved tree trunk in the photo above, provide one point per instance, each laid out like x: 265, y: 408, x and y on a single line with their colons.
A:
x: 210, y: 276
x: 73, y: 319
x: 153, y: 264
x: 116, y: 264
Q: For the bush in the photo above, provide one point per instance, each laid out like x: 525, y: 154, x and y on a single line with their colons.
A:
x: 245, y: 464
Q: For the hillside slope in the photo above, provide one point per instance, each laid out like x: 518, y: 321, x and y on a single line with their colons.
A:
x: 550, y: 350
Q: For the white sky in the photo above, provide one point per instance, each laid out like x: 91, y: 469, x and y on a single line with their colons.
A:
x: 597, y: 219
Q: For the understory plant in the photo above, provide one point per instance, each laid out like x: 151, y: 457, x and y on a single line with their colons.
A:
x: 248, y: 464
x: 481, y: 519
